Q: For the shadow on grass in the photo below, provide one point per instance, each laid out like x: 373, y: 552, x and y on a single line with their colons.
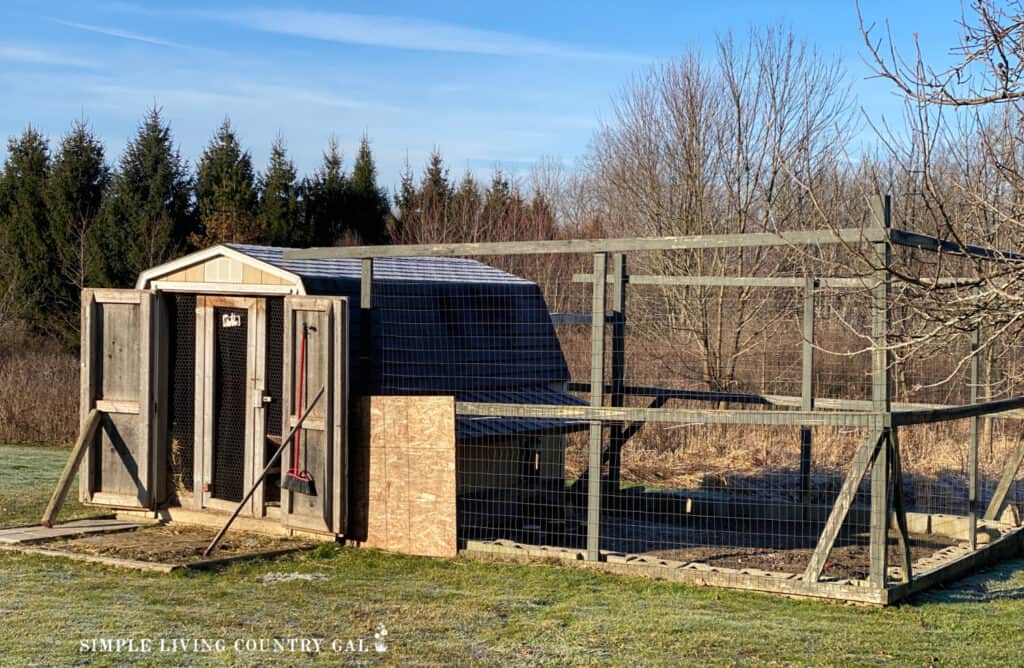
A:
x: 1001, y: 582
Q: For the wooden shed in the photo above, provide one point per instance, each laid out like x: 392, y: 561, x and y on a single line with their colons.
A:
x: 196, y: 373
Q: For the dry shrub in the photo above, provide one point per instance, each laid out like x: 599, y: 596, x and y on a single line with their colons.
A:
x: 38, y: 389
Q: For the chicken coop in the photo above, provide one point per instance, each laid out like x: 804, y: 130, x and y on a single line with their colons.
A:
x: 199, y: 374
x: 765, y: 410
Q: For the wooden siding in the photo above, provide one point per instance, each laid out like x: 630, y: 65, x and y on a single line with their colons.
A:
x: 221, y: 270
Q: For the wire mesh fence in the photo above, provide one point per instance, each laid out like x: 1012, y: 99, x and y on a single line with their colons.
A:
x: 633, y: 409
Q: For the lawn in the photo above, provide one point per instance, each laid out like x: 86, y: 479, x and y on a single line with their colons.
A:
x: 463, y: 611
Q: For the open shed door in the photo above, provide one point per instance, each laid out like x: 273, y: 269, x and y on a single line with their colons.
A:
x: 118, y: 379
x: 323, y: 448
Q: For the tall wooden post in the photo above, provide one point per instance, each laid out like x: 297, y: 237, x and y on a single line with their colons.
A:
x: 365, y: 325
x: 881, y: 388
x: 597, y: 349
x: 616, y: 431
x: 972, y: 455
x: 807, y: 394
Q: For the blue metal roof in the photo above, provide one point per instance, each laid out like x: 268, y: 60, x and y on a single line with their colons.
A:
x: 445, y: 326
x: 319, y: 275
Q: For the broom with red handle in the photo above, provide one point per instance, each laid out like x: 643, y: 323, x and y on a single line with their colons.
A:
x: 296, y: 479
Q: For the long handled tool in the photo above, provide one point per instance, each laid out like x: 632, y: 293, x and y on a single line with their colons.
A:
x: 252, y: 490
x: 298, y: 479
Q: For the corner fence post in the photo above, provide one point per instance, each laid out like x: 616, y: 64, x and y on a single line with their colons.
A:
x: 972, y: 455
x: 597, y: 350
x: 881, y: 389
x: 616, y: 432
x: 807, y: 395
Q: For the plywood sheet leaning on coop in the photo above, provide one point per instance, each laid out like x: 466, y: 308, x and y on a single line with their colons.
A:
x: 403, y: 466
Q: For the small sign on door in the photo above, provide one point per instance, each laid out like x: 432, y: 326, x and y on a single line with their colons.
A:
x: 230, y: 320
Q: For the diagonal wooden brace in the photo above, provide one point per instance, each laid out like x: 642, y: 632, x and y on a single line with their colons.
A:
x: 998, y: 502
x: 862, y: 461
x: 896, y: 467
x: 85, y: 439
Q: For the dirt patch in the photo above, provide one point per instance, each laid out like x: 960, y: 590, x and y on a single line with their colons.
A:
x: 848, y: 560
x: 175, y: 544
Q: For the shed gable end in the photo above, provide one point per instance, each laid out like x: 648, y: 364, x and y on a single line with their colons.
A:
x: 220, y: 269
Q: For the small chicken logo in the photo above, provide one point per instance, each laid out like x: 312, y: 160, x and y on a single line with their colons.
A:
x: 380, y: 639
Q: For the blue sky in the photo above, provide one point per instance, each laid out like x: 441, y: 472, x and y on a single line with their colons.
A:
x: 487, y: 83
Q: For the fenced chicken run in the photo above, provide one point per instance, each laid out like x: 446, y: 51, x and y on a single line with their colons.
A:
x: 709, y: 409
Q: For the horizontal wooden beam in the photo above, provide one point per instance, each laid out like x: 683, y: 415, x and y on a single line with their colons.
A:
x: 575, y: 319
x: 926, y: 242
x: 823, y: 403
x: 668, y: 415
x: 792, y: 282
x: 926, y: 416
x: 694, y: 242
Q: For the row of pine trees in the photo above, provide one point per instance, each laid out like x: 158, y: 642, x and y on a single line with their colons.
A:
x: 69, y: 219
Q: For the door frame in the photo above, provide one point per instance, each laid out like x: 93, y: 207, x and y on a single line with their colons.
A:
x: 255, y: 412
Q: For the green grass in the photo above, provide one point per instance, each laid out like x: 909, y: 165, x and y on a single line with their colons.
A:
x: 463, y: 611
x: 28, y: 474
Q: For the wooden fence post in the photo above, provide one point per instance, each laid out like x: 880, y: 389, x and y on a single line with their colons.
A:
x: 597, y: 349
x: 972, y: 455
x: 881, y: 388
x: 807, y: 394
x: 616, y: 431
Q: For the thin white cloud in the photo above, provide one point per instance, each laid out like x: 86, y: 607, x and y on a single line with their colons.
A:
x: 20, y: 54
x: 397, y: 32
x: 122, y: 34
x: 310, y: 96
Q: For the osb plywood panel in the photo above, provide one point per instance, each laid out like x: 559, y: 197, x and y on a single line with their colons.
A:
x: 404, y: 476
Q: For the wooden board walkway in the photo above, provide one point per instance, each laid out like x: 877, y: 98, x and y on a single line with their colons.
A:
x: 41, y: 534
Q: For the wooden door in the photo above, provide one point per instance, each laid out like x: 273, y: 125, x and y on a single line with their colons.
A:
x: 126, y: 465
x: 323, y: 446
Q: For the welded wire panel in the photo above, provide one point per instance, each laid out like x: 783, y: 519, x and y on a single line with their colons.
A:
x: 758, y: 497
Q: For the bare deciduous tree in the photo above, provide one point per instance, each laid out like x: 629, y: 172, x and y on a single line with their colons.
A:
x: 957, y: 170
x: 729, y: 144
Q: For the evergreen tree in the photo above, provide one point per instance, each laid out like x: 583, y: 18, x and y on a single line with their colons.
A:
x: 226, y: 191
x: 366, y: 204
x: 149, y: 218
x: 435, y: 187
x: 325, y: 199
x: 29, y: 257
x: 280, y: 208
x: 466, y: 208
x: 79, y: 179
x: 403, y: 219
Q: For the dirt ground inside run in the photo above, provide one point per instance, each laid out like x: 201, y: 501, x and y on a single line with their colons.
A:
x: 174, y: 544
x: 848, y: 560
